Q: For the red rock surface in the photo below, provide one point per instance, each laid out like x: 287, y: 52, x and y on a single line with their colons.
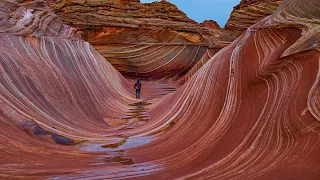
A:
x: 250, y: 112
x: 124, y: 13
x: 54, y: 89
x: 210, y: 24
x: 146, y: 53
x: 246, y: 14
x: 132, y: 35
x: 24, y: 20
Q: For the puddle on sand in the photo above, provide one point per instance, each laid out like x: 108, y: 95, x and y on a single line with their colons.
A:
x: 115, y: 145
x: 141, y: 103
x: 118, y: 145
x: 117, y: 150
x: 137, y: 114
x: 119, y: 159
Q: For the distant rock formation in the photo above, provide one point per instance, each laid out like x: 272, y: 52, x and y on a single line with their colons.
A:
x: 249, y: 112
x: 86, y: 14
x: 246, y: 14
x: 211, y: 25
x: 155, y: 32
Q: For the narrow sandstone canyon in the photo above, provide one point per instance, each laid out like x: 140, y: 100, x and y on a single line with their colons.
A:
x: 246, y: 107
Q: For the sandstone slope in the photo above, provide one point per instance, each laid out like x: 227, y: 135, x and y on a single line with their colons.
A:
x: 250, y: 112
x: 246, y: 14
x: 55, y: 91
x: 151, y: 40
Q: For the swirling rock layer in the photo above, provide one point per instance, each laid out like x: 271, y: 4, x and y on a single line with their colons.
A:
x: 246, y: 14
x: 250, y: 112
x: 33, y: 18
x: 125, y: 13
x: 54, y: 88
x: 132, y: 36
x: 147, y: 53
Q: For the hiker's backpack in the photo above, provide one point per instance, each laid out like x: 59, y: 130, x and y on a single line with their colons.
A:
x: 137, y: 86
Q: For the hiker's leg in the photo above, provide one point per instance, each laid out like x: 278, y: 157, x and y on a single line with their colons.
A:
x: 137, y: 94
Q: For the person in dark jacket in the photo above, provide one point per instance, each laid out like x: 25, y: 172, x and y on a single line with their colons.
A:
x: 137, y: 86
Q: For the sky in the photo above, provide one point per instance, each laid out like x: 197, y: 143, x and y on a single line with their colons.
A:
x: 200, y: 10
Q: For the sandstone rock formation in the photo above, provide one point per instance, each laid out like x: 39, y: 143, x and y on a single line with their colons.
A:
x: 54, y: 88
x: 155, y: 32
x: 33, y: 20
x: 211, y: 25
x: 250, y: 112
x: 246, y: 14
x: 147, y: 53
x: 125, y: 13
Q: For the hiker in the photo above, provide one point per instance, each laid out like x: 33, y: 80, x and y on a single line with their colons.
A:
x: 137, y: 87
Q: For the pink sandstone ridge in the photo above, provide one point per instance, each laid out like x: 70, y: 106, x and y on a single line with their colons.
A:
x: 132, y: 36
x: 246, y: 14
x: 251, y: 111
